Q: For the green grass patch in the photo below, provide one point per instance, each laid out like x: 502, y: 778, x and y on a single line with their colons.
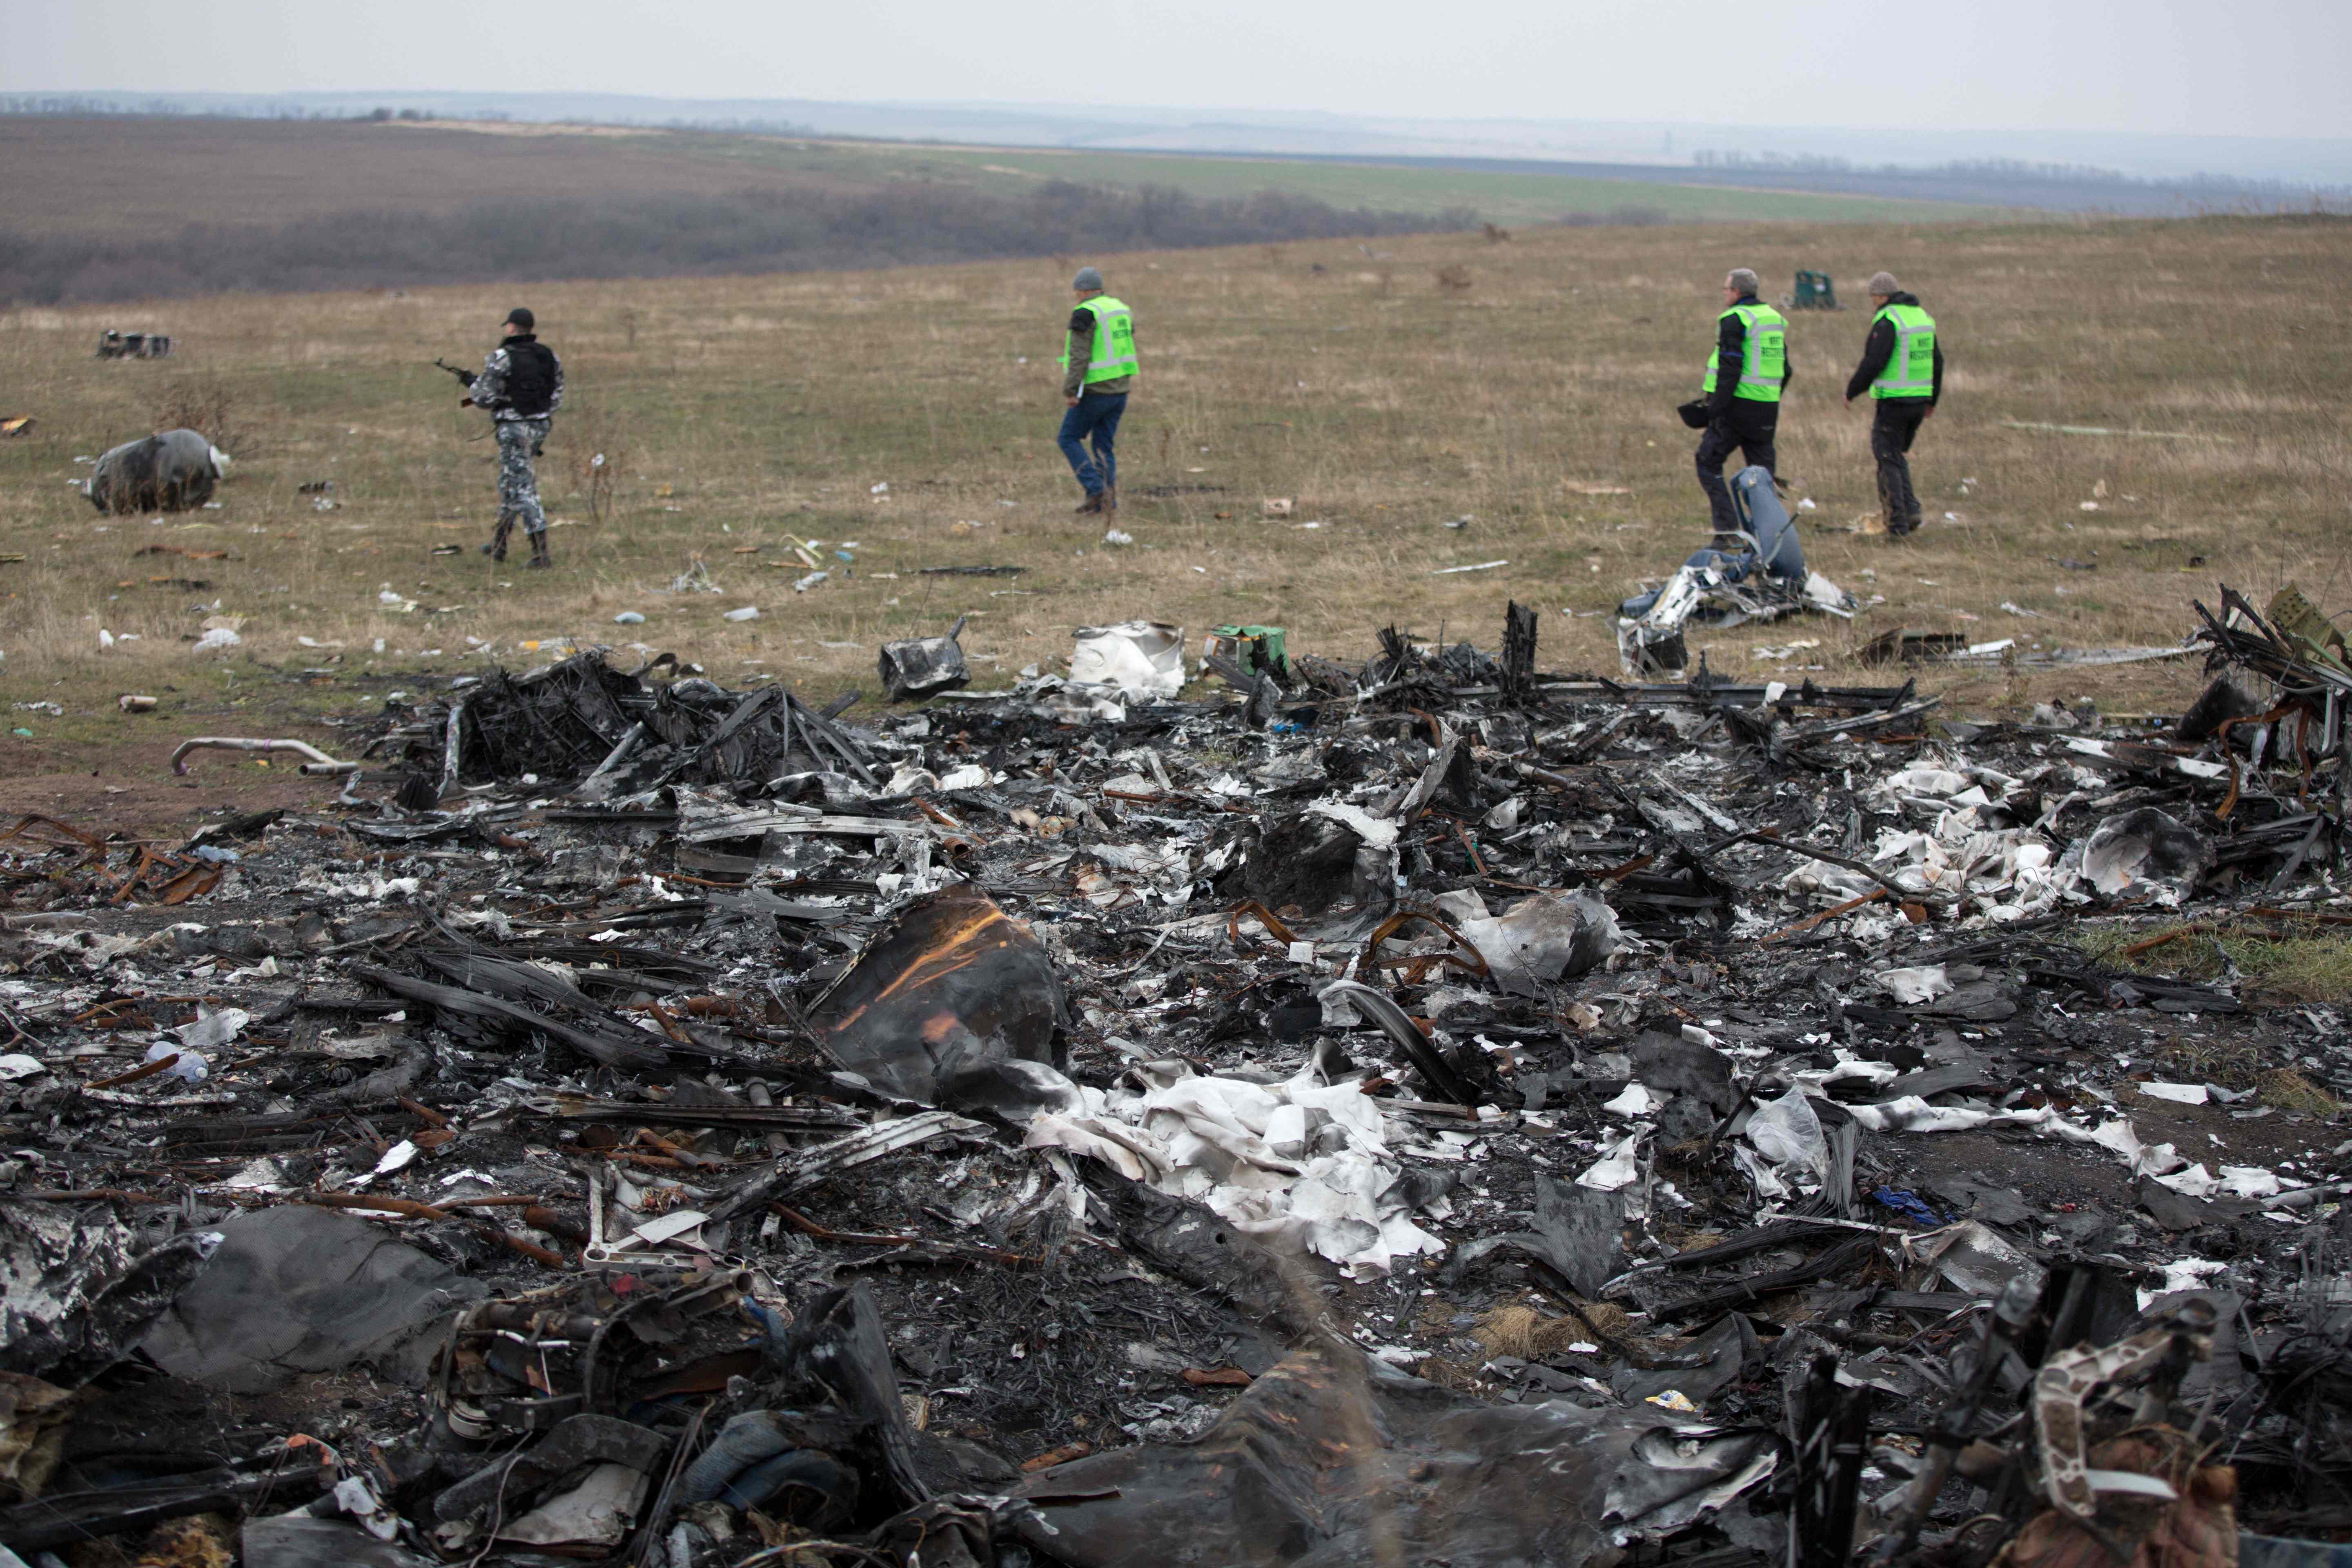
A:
x: 2278, y: 958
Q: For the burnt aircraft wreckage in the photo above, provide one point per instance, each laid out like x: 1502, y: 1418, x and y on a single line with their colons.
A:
x: 1420, y: 1110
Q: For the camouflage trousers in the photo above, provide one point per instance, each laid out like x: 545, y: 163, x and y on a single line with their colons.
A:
x: 518, y: 440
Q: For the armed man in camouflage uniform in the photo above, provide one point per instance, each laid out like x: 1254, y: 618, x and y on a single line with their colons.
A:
x: 521, y: 385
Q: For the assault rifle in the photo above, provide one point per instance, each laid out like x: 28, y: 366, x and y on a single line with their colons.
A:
x: 465, y: 377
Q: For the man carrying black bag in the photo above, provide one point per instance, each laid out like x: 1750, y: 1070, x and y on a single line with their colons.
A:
x: 1738, y: 405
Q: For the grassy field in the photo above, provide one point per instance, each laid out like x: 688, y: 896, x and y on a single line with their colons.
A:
x: 110, y: 177
x: 744, y: 416
x: 107, y: 177
x: 1496, y: 195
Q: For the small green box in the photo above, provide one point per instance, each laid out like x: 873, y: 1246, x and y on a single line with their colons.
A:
x: 1253, y: 647
x: 1814, y: 292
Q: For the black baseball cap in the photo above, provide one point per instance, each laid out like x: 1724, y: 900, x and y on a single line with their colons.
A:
x: 522, y: 317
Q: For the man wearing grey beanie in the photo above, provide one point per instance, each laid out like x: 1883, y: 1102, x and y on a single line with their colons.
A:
x: 1902, y: 368
x: 1738, y: 405
x: 1098, y: 368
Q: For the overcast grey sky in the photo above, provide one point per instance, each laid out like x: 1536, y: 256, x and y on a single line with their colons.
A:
x: 2254, y: 67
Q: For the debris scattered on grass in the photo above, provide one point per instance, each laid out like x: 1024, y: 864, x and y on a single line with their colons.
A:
x: 1570, y: 1116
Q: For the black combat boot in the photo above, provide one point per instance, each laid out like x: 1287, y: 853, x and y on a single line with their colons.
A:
x: 496, y: 548
x: 539, y: 559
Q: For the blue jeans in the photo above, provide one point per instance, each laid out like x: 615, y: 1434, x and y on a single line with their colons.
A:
x: 1093, y: 422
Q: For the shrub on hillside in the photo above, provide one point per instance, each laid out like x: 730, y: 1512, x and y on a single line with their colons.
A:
x: 660, y: 235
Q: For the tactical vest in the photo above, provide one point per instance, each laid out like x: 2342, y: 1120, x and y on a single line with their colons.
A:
x: 1114, y: 344
x: 1765, y: 361
x: 530, y: 377
x: 1911, y: 369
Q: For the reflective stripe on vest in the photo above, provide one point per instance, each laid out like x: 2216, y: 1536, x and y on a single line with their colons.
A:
x: 1911, y: 368
x: 1764, y: 360
x: 1114, y: 344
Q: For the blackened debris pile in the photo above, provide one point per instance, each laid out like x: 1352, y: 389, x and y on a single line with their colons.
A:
x: 1426, y: 1110
x: 584, y: 720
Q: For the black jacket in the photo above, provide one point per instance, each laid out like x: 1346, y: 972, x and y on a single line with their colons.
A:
x: 1879, y: 347
x: 1730, y: 353
x: 533, y: 380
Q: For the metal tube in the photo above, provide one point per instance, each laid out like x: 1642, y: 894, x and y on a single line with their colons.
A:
x: 612, y: 759
x: 449, y: 743
x: 320, y: 764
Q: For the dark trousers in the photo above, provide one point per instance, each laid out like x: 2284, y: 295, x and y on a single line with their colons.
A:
x: 1093, y: 422
x: 1746, y: 426
x: 1890, y: 430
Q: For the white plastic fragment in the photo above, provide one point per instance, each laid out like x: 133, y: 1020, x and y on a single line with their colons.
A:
x: 1909, y: 987
x: 1786, y: 1132
x: 1544, y: 938
x: 1618, y: 1167
x: 1142, y: 659
x: 188, y: 1063
x: 1633, y: 1103
x: 212, y: 1030
x: 1932, y: 781
x: 1299, y: 1162
x: 1378, y: 833
x: 1975, y: 1259
x: 2232, y: 1182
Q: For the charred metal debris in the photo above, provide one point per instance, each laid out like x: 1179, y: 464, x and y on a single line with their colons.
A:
x: 1427, y: 1110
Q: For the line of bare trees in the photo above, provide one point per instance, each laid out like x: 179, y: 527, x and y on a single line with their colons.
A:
x: 651, y: 235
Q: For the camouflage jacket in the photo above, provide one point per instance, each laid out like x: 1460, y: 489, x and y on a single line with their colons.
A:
x: 489, y: 388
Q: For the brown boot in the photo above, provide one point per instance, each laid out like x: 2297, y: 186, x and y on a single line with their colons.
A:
x: 1110, y: 507
x: 1093, y: 503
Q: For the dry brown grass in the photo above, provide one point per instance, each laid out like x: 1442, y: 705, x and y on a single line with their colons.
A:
x: 140, y: 175
x: 1515, y: 1329
x: 137, y: 175
x: 2284, y: 1088
x: 207, y: 403
x: 749, y: 412
x: 1445, y: 1373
